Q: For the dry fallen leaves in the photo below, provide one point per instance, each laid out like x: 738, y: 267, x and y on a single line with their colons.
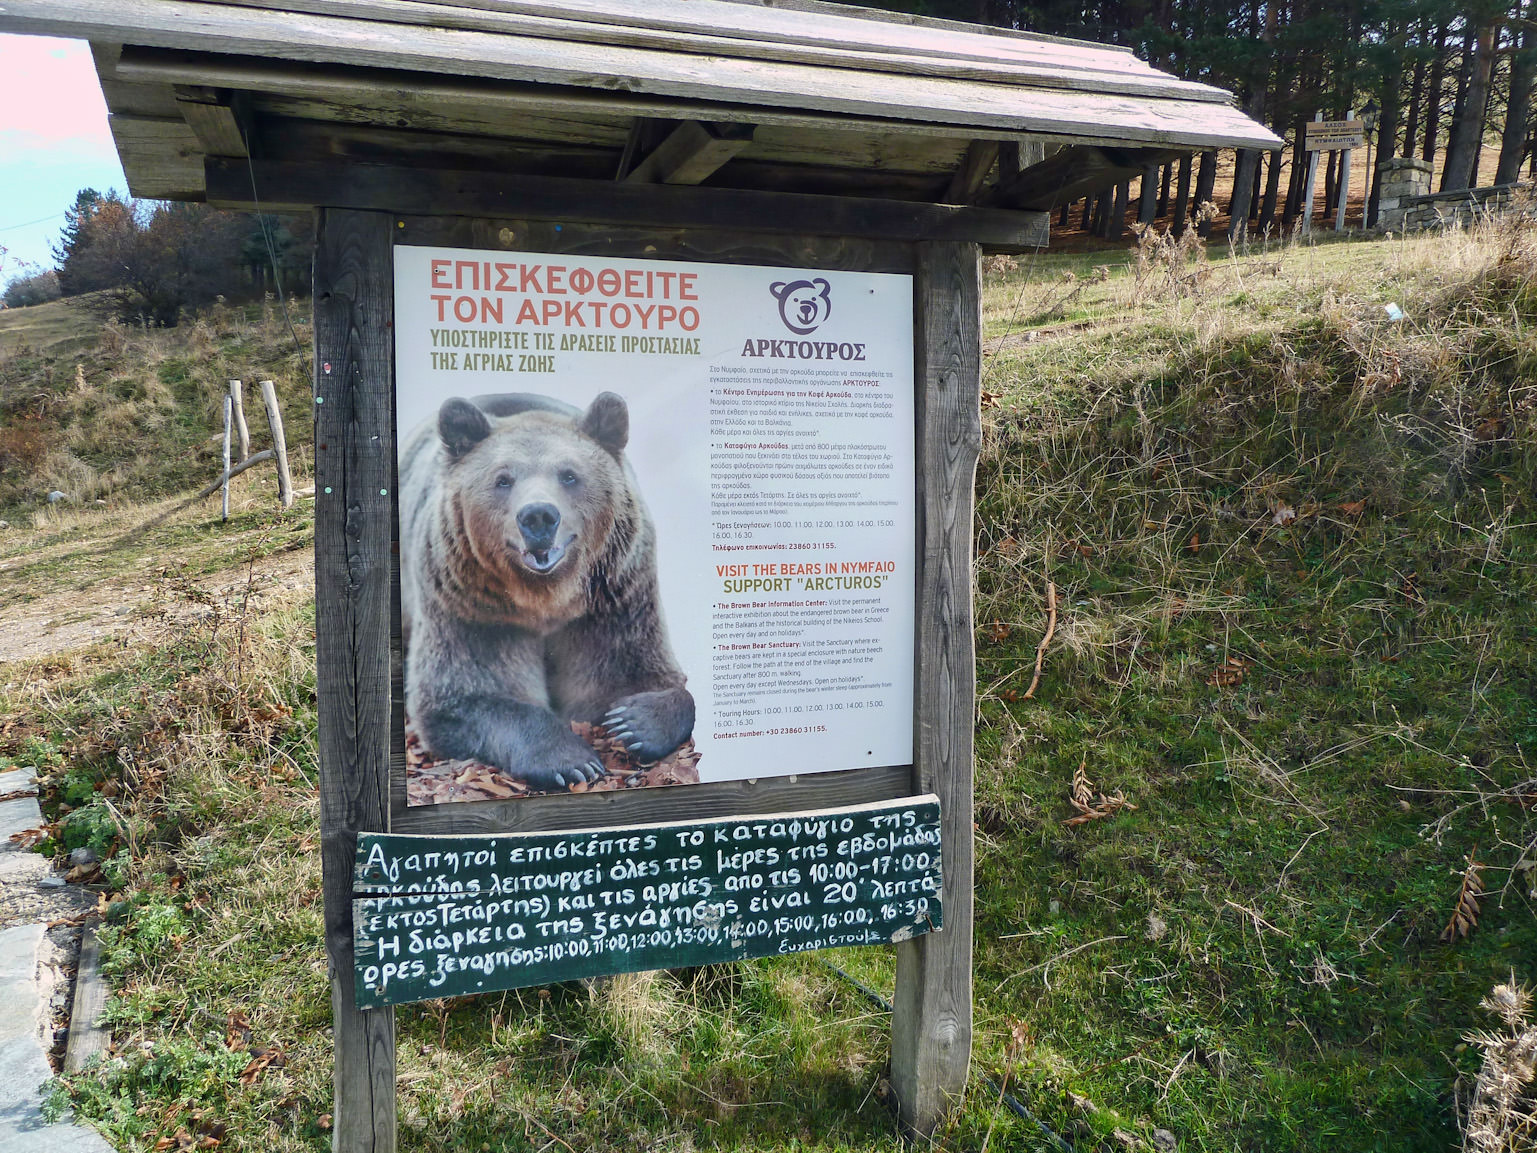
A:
x: 1230, y: 672
x: 1089, y: 806
x: 261, y: 1061
x: 1352, y: 507
x: 1465, y: 917
x: 237, y: 1031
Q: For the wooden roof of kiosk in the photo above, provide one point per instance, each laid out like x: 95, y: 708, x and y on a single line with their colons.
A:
x: 907, y: 127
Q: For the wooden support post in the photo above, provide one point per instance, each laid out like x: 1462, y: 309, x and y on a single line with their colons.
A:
x: 931, y: 1022
x: 354, y: 527
x: 1116, y: 228
x: 228, y: 420
x: 1181, y: 196
x: 1205, y: 184
x: 1147, y: 198
x: 1344, y: 182
x: 242, y: 430
x: 279, y: 443
x: 1307, y: 192
x: 1163, y: 189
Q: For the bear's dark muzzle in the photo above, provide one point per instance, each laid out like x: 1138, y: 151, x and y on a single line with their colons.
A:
x: 538, y: 523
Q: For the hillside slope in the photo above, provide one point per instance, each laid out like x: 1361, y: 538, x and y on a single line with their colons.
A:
x: 1293, y: 544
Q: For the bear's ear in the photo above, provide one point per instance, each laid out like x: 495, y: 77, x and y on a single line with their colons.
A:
x: 780, y: 287
x: 462, y: 426
x: 607, y: 421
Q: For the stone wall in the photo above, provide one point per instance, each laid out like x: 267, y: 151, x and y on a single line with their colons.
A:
x: 1407, y: 204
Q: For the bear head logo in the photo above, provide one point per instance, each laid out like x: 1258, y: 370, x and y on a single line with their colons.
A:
x: 803, y: 304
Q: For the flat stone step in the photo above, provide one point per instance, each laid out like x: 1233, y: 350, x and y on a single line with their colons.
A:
x: 23, y: 1063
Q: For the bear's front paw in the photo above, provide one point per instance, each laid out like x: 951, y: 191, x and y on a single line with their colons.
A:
x: 651, y: 725
x: 560, y: 765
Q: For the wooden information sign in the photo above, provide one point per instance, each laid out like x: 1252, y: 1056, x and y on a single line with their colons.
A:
x: 460, y: 915
x: 1333, y: 135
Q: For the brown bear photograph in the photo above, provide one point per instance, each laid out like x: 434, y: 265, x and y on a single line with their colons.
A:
x: 537, y: 658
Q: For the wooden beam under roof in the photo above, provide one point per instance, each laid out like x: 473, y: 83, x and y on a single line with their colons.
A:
x: 213, y: 120
x: 691, y: 153
x: 980, y: 157
x: 276, y: 186
x: 512, y: 103
x: 1071, y: 173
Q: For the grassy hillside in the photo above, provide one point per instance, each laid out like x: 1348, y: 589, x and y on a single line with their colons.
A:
x: 1293, y: 544
x: 100, y: 411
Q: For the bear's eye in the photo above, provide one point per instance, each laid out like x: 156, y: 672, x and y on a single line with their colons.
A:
x: 504, y: 481
x: 567, y: 477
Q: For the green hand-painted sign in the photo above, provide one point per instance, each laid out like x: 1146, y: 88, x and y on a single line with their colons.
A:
x: 452, y: 915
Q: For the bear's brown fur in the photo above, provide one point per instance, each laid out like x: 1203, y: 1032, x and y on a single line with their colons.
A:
x: 529, y: 592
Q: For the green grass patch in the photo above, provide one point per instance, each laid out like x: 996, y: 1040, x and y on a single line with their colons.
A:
x: 1294, y: 546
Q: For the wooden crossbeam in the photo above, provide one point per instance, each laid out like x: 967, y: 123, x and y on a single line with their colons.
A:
x: 972, y: 171
x: 1071, y: 173
x: 213, y: 118
x: 299, y: 186
x: 691, y: 152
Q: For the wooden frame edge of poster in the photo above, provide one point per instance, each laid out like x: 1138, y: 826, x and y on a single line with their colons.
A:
x: 358, y: 630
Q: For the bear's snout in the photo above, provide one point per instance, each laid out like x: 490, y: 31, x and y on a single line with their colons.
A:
x: 538, y: 523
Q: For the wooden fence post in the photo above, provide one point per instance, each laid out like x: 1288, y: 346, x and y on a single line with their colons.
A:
x: 354, y: 524
x: 242, y: 430
x: 224, y: 508
x: 931, y: 1021
x: 279, y: 443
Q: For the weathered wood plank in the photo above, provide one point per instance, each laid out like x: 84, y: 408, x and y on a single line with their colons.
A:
x: 298, y: 186
x: 931, y: 1022
x: 162, y: 159
x: 704, y: 243
x: 627, y: 806
x: 1061, y: 65
x: 354, y: 518
x: 503, y: 107
x: 691, y: 153
x: 298, y: 36
x: 86, y: 1037
x: 474, y: 914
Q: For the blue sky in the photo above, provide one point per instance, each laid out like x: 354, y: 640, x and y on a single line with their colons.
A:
x: 53, y: 142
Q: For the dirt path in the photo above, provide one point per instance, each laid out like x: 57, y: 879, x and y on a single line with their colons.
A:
x: 61, y: 618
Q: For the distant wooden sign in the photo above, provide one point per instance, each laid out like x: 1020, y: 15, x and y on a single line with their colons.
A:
x: 477, y: 913
x: 1333, y: 135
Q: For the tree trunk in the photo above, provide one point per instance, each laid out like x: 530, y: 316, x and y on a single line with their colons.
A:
x: 1387, y: 124
x: 1462, y: 152
x: 1433, y: 96
x: 1416, y: 95
x: 1518, y: 111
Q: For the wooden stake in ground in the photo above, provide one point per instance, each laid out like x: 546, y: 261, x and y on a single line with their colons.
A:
x: 279, y: 443
x: 242, y: 430
x: 1051, y: 629
x: 229, y: 406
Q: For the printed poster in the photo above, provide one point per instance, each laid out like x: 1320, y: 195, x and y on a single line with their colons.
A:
x: 657, y: 521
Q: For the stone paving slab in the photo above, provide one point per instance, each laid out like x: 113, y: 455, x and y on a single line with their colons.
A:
x: 23, y: 1063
